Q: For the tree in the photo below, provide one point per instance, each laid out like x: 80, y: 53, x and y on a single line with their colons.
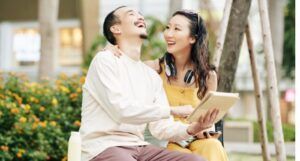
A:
x: 174, y: 5
x: 288, y: 63
x: 154, y: 46
x: 232, y: 44
x: 48, y: 13
x: 276, y: 15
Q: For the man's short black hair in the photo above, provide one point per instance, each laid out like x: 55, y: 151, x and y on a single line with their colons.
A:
x: 110, y: 20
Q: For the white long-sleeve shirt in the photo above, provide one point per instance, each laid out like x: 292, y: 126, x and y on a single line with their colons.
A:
x: 120, y: 96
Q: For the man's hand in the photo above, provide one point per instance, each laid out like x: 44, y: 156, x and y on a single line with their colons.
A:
x: 114, y: 49
x: 182, y: 111
x: 203, y: 123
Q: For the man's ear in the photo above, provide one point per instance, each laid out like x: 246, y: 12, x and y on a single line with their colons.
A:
x: 115, y: 29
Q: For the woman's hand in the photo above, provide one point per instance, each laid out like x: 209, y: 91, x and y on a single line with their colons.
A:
x: 182, y: 111
x: 114, y: 49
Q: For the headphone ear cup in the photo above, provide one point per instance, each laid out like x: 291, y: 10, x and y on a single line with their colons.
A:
x: 173, y: 70
x: 167, y: 70
x: 170, y: 66
x: 189, y: 77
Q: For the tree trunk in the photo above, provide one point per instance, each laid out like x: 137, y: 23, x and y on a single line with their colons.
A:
x: 258, y: 98
x: 272, y: 81
x: 234, y: 36
x: 89, y: 17
x: 276, y: 13
x: 48, y: 13
x: 174, y: 5
x: 221, y: 34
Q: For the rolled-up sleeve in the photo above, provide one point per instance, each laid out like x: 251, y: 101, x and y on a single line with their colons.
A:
x: 167, y: 129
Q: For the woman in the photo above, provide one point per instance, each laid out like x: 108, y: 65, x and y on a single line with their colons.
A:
x: 187, y: 77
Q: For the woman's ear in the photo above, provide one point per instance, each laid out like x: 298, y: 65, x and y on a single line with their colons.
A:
x: 115, y: 29
x: 192, y: 40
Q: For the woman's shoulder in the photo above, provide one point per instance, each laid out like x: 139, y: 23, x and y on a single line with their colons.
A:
x: 212, y: 80
x: 212, y: 74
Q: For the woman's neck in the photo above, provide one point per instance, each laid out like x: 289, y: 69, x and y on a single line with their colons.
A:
x: 182, y: 61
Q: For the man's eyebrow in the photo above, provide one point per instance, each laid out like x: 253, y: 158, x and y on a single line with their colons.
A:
x: 129, y: 11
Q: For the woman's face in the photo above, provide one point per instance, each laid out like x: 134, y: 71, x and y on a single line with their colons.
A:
x: 177, y: 35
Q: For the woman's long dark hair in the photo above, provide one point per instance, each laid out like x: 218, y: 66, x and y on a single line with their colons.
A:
x: 199, y: 51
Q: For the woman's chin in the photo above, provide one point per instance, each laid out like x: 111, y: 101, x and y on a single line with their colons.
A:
x: 170, y: 50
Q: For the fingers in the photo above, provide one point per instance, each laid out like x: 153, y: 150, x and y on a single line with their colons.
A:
x: 214, y: 115
x: 207, y: 135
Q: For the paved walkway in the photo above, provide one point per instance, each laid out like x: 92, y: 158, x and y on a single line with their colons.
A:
x: 255, y: 148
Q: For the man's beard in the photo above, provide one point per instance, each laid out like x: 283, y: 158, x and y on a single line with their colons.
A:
x: 143, y: 36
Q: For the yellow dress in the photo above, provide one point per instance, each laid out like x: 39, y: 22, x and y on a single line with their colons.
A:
x: 211, y: 149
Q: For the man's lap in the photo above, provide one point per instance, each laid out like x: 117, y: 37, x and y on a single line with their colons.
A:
x: 143, y: 153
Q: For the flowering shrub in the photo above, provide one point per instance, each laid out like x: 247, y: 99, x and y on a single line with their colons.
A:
x: 36, y: 118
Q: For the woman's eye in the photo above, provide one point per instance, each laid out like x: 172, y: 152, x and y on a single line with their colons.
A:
x: 177, y: 29
x: 167, y: 27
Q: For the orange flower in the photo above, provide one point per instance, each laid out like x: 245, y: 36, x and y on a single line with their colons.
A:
x: 43, y: 123
x: 53, y: 123
x: 64, y: 158
x: 42, y: 108
x: 19, y: 155
x: 78, y: 90
x: 14, y: 111
x: 82, y: 79
x: 73, y: 96
x: 27, y: 108
x: 22, y: 119
x: 33, y: 99
x: 64, y: 89
x: 4, y: 148
x: 34, y: 125
x: 18, y: 98
x: 77, y: 123
x: 54, y: 102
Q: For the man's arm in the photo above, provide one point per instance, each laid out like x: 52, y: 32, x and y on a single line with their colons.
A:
x: 169, y: 129
x: 104, y: 84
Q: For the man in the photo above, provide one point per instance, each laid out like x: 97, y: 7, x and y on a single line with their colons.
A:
x: 122, y: 95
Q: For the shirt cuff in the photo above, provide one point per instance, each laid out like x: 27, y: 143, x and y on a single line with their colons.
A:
x: 165, y: 112
x: 183, y: 134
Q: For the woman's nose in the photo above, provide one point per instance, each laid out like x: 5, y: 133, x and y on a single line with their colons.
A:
x: 168, y: 33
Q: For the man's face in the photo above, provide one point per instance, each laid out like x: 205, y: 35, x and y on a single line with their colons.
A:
x: 132, y: 22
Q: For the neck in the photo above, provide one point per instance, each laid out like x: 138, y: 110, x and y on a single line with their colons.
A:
x: 131, y: 48
x: 182, y: 60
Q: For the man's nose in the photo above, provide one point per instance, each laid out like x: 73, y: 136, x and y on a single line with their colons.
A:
x: 141, y: 18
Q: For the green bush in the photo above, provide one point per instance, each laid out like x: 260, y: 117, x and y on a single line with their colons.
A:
x: 288, y: 132
x: 36, y: 118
